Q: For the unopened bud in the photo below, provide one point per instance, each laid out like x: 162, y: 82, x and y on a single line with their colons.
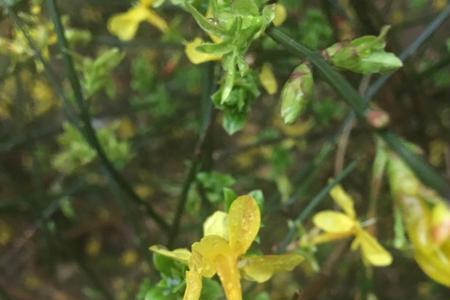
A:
x: 377, y: 118
x: 296, y: 93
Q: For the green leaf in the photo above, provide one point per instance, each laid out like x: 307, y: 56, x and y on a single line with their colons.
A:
x: 204, y: 23
x: 158, y: 293
x: 233, y: 121
x: 167, y: 266
x: 378, y: 62
x: 259, y: 197
x: 245, y: 7
x: 144, y: 288
x: 217, y: 48
x: 228, y: 197
x: 214, y: 183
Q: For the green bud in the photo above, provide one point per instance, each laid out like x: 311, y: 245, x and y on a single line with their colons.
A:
x: 296, y: 93
x: 365, y: 55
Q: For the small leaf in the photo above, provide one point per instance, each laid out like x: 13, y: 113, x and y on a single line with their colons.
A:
x: 233, y: 122
x: 229, y: 196
x: 157, y: 293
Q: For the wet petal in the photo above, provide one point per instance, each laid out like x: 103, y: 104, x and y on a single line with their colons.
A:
x: 261, y: 268
x: 229, y: 276
x: 206, y: 252
x: 334, y: 222
x: 193, y: 286
x: 181, y: 255
x: 372, y: 250
x: 125, y: 25
x: 216, y: 224
x: 196, y: 56
x: 343, y: 200
x: 244, y: 220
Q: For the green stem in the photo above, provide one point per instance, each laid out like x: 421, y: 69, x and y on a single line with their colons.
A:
x: 86, y: 118
x: 422, y: 170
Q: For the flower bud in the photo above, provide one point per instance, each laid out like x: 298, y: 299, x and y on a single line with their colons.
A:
x: 296, y: 93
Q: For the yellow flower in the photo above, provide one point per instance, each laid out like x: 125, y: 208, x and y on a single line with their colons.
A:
x: 227, y: 238
x: 337, y: 225
x: 196, y: 56
x: 426, y: 217
x: 125, y: 25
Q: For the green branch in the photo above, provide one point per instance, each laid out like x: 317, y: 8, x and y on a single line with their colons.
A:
x: 422, y: 170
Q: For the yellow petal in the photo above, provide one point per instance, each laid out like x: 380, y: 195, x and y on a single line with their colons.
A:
x: 343, y: 200
x: 280, y: 14
x: 125, y: 25
x: 435, y: 264
x: 196, y: 56
x: 267, y: 79
x: 193, y: 286
x: 146, y: 3
x: 372, y: 250
x: 157, y: 21
x: 206, y: 252
x: 181, y: 255
x: 334, y: 222
x: 261, y: 268
x: 328, y: 237
x: 440, y: 223
x: 229, y: 276
x: 216, y: 224
x: 244, y: 220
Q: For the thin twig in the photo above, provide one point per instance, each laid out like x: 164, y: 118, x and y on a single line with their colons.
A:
x: 305, y: 213
x: 205, y: 134
x: 347, y: 130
